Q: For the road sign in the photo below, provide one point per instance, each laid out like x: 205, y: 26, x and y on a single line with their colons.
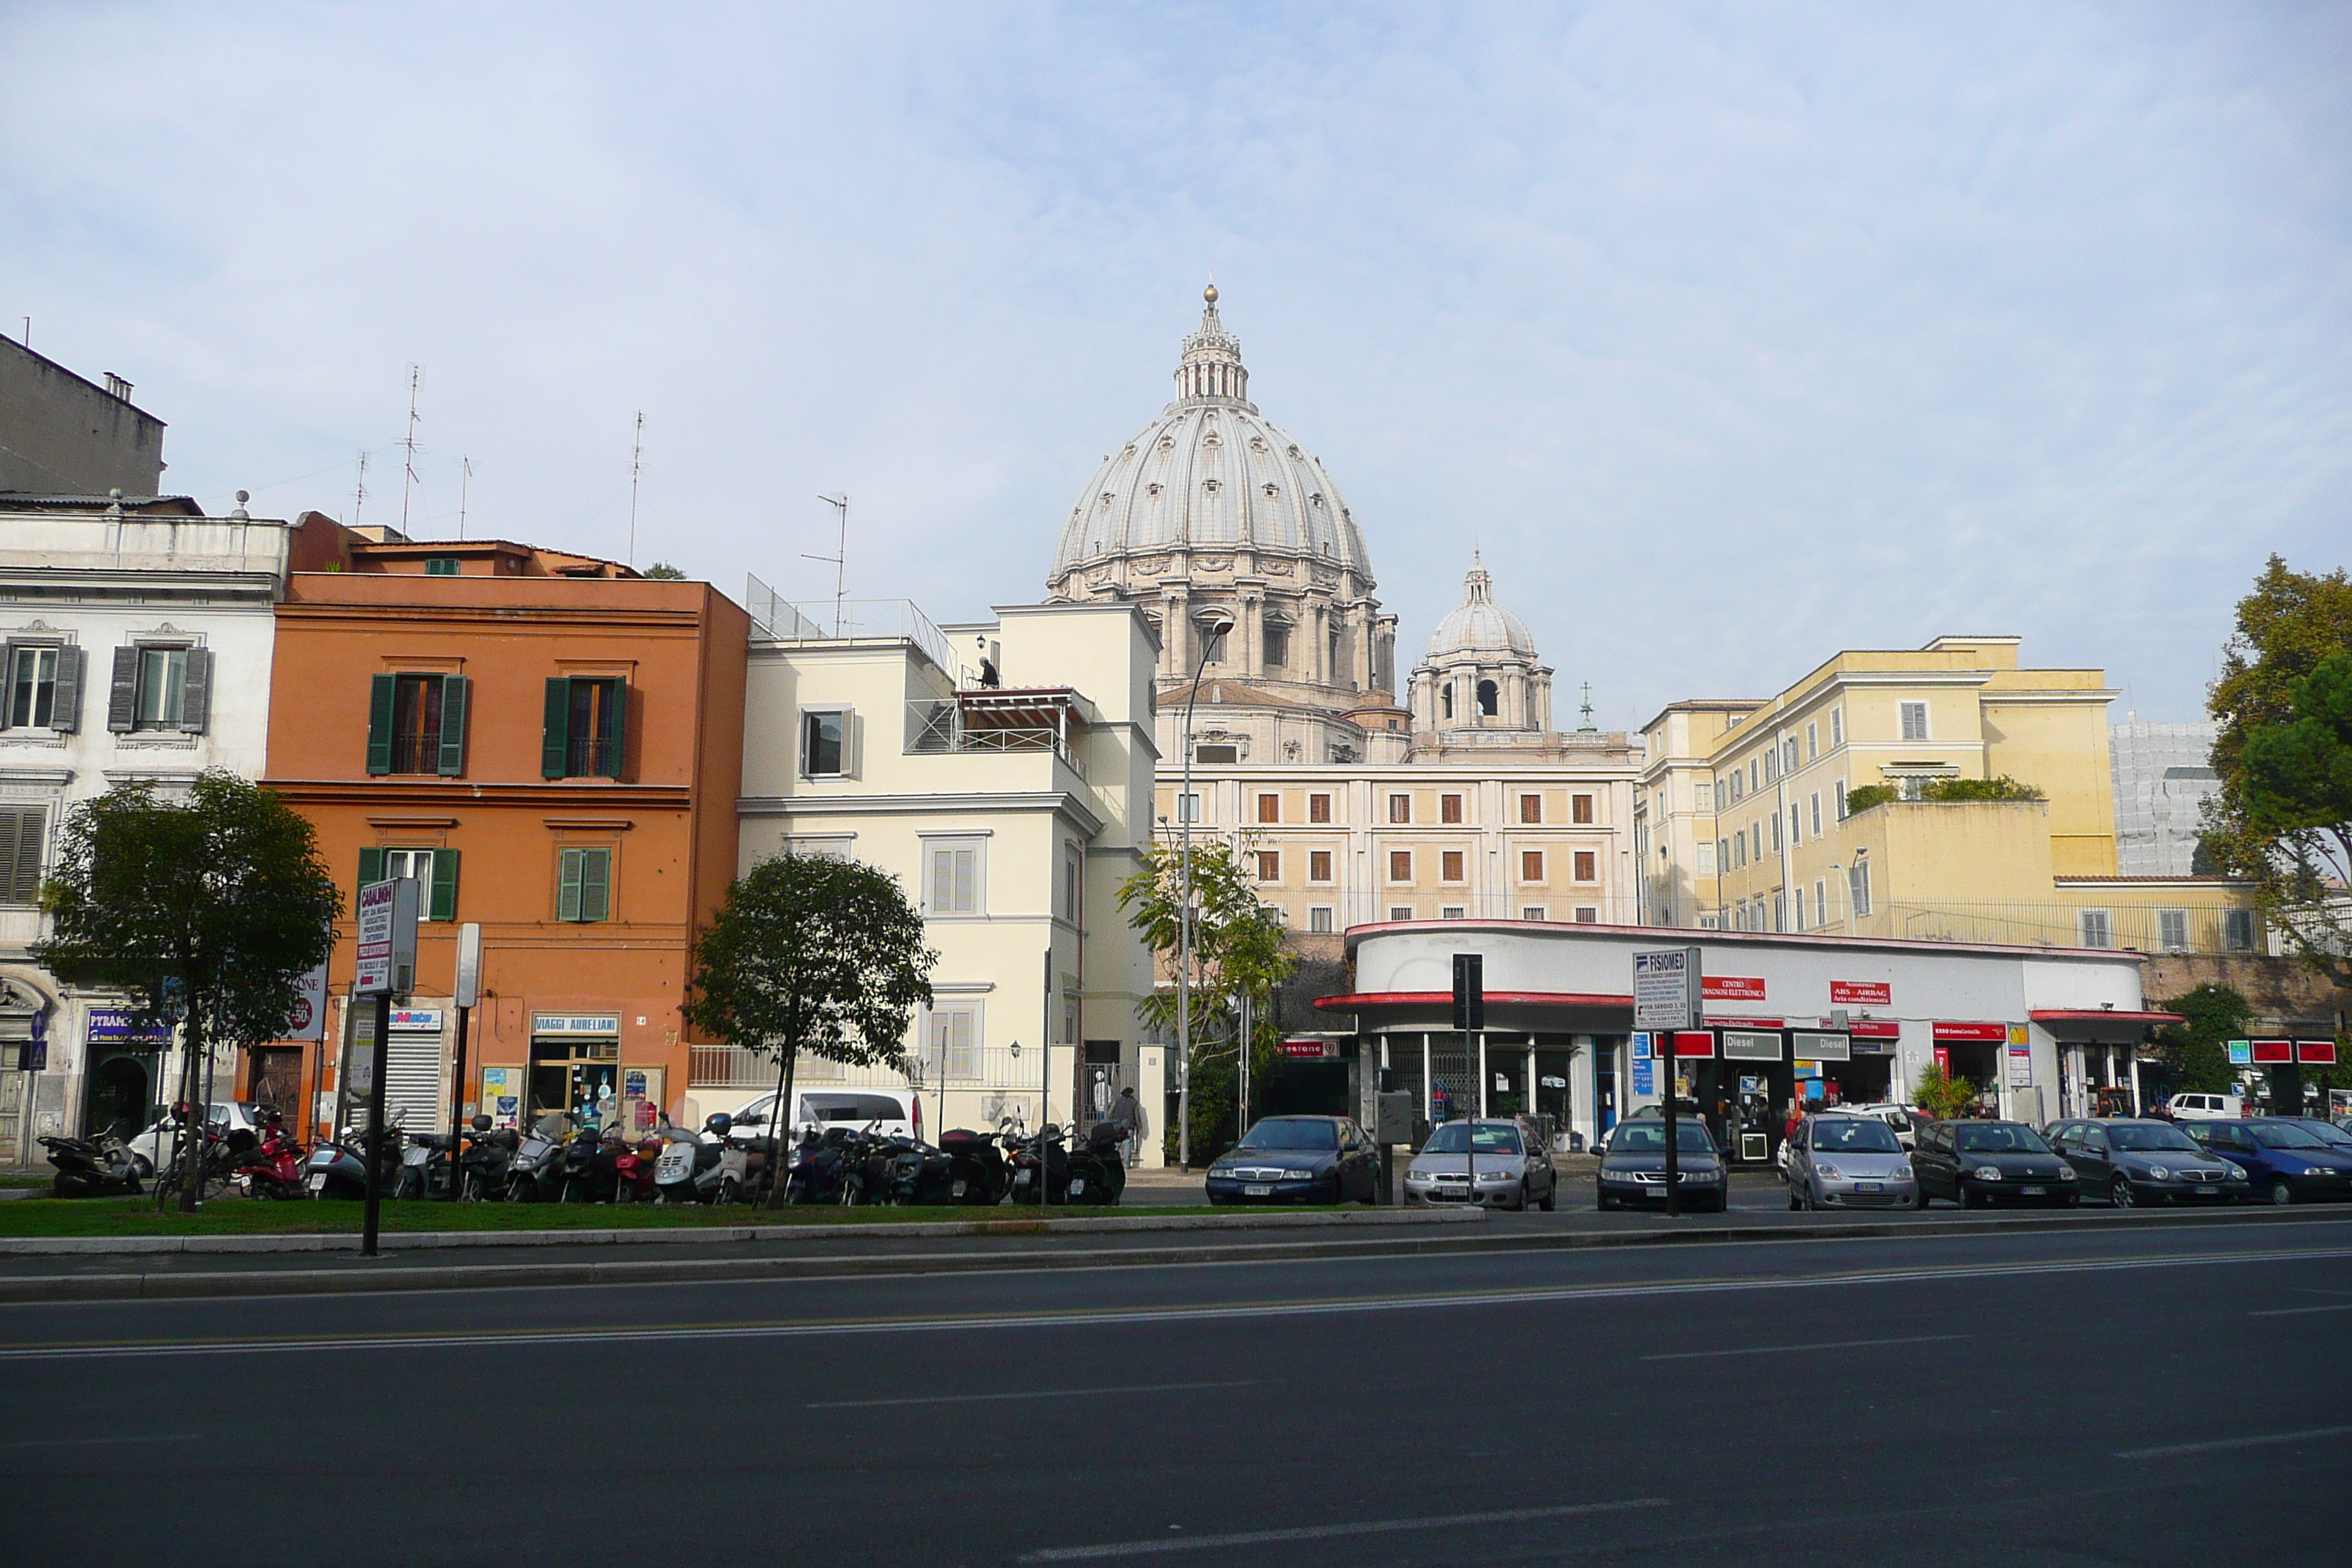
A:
x: 1666, y: 989
x: 387, y: 944
x: 1469, y: 992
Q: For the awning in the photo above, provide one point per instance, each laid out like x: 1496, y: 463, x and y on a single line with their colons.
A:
x: 2100, y: 1016
x: 1357, y: 1002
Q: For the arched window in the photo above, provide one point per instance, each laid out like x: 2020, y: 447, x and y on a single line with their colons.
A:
x: 1490, y: 698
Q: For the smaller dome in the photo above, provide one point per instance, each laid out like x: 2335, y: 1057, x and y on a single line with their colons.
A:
x: 1480, y: 625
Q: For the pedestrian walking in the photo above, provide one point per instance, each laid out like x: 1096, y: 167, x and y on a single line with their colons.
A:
x: 1126, y: 1115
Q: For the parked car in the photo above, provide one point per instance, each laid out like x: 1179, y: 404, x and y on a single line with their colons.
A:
x: 899, y: 1112
x: 1978, y: 1164
x: 2137, y: 1160
x: 1842, y: 1161
x: 1633, y: 1170
x: 2327, y: 1132
x: 2205, y: 1107
x: 1297, y: 1160
x: 2286, y: 1163
x: 155, y: 1148
x: 1899, y: 1118
x: 1515, y: 1169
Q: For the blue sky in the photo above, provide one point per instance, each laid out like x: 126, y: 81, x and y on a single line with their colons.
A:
x: 1735, y: 335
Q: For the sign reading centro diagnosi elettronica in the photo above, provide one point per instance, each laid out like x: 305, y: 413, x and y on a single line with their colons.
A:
x: 1666, y: 988
x: 387, y: 937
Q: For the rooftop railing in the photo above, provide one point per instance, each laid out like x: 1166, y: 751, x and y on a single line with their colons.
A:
x: 845, y: 620
x: 937, y: 725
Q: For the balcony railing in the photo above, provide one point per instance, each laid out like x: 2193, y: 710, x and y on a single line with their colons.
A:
x: 776, y: 619
x: 995, y: 721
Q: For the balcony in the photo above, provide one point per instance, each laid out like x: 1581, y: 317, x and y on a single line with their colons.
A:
x: 990, y: 719
x: 779, y: 620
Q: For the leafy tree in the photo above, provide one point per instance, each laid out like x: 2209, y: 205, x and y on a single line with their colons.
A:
x: 663, y: 572
x: 1941, y: 1095
x: 1236, y: 951
x: 214, y: 907
x: 2196, y: 1054
x: 812, y: 955
x: 2282, y: 817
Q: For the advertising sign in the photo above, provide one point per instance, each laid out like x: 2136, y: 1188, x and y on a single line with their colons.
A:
x: 1641, y: 1047
x: 309, y: 1019
x: 575, y: 1022
x: 387, y: 938
x: 1861, y: 994
x: 1814, y: 1045
x: 121, y: 1027
x: 1666, y: 988
x: 1312, y: 1050
x: 1996, y: 1033
x: 1734, y: 988
x: 1645, y: 1077
x: 2242, y: 1052
x: 2020, y: 1067
x: 1751, y: 1046
x: 2321, y: 1053
x: 1694, y: 1042
x: 502, y: 1094
x: 359, y: 1054
x: 2267, y: 1051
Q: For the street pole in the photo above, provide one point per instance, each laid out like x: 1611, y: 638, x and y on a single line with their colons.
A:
x: 381, y: 1052
x: 1247, y: 1020
x: 1046, y: 1088
x: 468, y: 991
x: 1674, y: 1163
x: 1208, y: 626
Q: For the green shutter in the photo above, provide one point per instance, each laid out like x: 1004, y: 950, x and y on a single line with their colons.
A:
x: 455, y: 691
x: 595, y: 884
x: 379, y: 751
x: 567, y: 888
x: 445, y: 885
x: 555, y: 739
x: 620, y: 730
x: 371, y: 860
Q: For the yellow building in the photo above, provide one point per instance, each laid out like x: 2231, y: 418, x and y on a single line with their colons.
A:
x: 1751, y: 814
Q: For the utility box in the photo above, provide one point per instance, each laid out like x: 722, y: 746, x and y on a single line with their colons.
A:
x: 1395, y: 1117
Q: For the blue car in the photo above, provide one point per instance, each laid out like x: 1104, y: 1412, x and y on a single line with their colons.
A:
x: 2283, y: 1163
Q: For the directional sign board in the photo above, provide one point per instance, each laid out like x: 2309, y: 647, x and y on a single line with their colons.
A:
x: 1666, y: 987
x: 387, y: 919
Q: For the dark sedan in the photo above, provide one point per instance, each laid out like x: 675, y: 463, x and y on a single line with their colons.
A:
x: 2285, y: 1163
x: 1633, y: 1170
x: 2136, y: 1161
x: 1978, y: 1164
x: 1295, y: 1160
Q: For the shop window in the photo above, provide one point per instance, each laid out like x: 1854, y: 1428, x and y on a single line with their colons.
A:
x: 1269, y: 864
x: 1449, y: 866
x: 585, y: 731
x: 24, y: 833
x: 1531, y: 865
x: 1399, y: 865
x: 159, y: 688
x: 1318, y: 808
x: 1586, y: 863
x: 1269, y: 809
x: 1449, y: 808
x: 1399, y: 809
x: 436, y: 869
x: 416, y: 724
x: 954, y: 876
x: 1319, y: 864
x: 1321, y: 918
x: 583, y: 886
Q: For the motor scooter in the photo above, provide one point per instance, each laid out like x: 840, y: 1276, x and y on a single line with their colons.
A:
x: 633, y: 1172
x: 339, y: 1169
x: 920, y: 1173
x: 590, y: 1164
x: 272, y: 1168
x: 482, y: 1168
x: 535, y: 1172
x: 1097, y: 1173
x: 88, y: 1168
x: 977, y: 1172
x: 703, y: 1168
x: 1044, y: 1152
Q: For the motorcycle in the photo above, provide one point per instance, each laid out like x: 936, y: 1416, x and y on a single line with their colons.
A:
x: 91, y: 1168
x: 591, y: 1164
x: 1097, y: 1173
x: 339, y: 1169
x: 1043, y: 1151
x: 977, y: 1172
x: 700, y: 1170
x: 535, y: 1172
x: 272, y: 1167
x: 920, y: 1174
x: 482, y: 1168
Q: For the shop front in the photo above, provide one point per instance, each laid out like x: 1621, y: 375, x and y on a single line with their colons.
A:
x: 122, y: 1073
x: 575, y: 1068
x: 2097, y: 1051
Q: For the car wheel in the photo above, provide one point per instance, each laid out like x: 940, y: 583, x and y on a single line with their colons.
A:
x: 2278, y: 1192
x: 1551, y: 1198
x: 1604, y: 1203
x: 1795, y: 1203
x: 1970, y: 1198
x: 2120, y: 1194
x: 1523, y: 1202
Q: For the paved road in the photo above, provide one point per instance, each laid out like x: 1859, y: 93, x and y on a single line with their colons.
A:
x: 2056, y: 1397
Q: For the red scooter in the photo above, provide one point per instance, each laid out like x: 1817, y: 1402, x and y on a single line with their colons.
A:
x: 634, y: 1172
x: 272, y: 1168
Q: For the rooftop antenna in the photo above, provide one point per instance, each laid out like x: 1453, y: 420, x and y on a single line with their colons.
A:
x: 359, y: 496
x: 465, y: 481
x: 408, y: 464
x: 840, y: 560
x: 29, y: 332
x: 1586, y: 709
x: 636, y: 468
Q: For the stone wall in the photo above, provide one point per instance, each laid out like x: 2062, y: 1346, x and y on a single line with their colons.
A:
x: 2281, y: 991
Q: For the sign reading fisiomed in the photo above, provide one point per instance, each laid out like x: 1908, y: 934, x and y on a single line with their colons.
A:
x: 1666, y: 989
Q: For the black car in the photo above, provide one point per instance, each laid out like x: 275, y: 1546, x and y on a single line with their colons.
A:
x: 1297, y: 1160
x: 2132, y: 1160
x: 1978, y: 1164
x: 1633, y: 1170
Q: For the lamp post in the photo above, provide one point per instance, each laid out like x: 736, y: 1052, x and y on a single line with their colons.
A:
x: 1211, y: 622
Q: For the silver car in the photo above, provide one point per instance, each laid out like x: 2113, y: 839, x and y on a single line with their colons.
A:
x: 1515, y: 1171
x: 1849, y: 1162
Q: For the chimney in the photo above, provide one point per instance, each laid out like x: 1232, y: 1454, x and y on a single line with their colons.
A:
x: 116, y: 388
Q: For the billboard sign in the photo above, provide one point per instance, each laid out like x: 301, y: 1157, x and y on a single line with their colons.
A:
x: 1735, y: 988
x: 1861, y: 994
x: 1666, y: 988
x: 387, y: 938
x: 308, y: 1021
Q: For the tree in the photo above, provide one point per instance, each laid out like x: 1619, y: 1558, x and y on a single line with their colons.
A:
x: 1941, y: 1095
x: 214, y: 907
x: 2196, y: 1054
x: 1236, y: 951
x: 2282, y: 815
x: 663, y: 572
x: 816, y: 956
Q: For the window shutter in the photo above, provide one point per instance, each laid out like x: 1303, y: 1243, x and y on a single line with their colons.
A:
x: 595, y: 884
x: 8, y: 686
x: 961, y: 1064
x: 967, y: 891
x: 122, y: 698
x: 455, y: 691
x: 196, y: 693
x: 445, y: 885
x: 371, y: 865
x: 64, y: 717
x: 943, y: 882
x: 567, y: 888
x: 21, y: 837
x: 555, y: 738
x: 379, y: 750
x: 617, y: 764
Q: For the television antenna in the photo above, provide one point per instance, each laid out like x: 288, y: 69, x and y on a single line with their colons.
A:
x: 359, y: 495
x: 465, y: 480
x: 636, y: 468
x: 840, y: 560
x: 408, y: 464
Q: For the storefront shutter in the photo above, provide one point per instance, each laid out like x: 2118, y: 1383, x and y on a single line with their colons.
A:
x: 196, y: 692
x: 64, y: 716
x: 445, y: 885
x: 380, y: 697
x: 616, y: 762
x: 371, y: 865
x: 555, y: 737
x: 122, y: 697
x: 455, y: 691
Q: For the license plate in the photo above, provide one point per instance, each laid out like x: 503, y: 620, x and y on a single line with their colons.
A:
x: 2207, y: 1189
x: 1020, y: 1178
x: 1868, y: 1187
x: 957, y: 1191
x: 1258, y: 1192
x: 317, y: 1182
x: 1077, y: 1185
x: 2033, y: 1192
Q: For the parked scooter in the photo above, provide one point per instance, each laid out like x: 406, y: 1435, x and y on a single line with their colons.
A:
x: 272, y: 1167
x: 920, y: 1174
x: 1097, y: 1173
x: 700, y: 1170
x: 535, y: 1173
x: 591, y: 1166
x: 425, y: 1166
x: 482, y: 1168
x: 1044, y: 1152
x: 977, y: 1172
x: 339, y: 1169
x: 90, y: 1168
x: 633, y: 1172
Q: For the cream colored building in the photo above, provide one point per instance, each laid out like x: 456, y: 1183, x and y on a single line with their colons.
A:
x: 1011, y: 815
x: 1745, y: 823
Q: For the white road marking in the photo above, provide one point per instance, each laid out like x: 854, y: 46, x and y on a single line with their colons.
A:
x: 1822, y: 1345
x: 2215, y: 1447
x: 2299, y: 1312
x: 1027, y: 1394
x: 1117, y: 1316
x: 1326, y: 1531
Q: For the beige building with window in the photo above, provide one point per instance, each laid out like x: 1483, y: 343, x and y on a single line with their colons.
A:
x: 1749, y: 818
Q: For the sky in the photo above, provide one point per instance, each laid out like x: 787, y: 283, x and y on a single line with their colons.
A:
x: 1732, y: 334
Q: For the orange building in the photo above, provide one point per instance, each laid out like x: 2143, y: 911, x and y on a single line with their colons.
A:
x: 553, y: 746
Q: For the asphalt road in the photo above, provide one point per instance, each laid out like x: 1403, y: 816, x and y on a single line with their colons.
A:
x: 2160, y: 1394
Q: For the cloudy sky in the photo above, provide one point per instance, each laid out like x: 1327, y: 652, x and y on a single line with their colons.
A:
x: 1735, y: 335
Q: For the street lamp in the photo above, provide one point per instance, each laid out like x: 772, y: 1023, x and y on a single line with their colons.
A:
x: 1211, y: 624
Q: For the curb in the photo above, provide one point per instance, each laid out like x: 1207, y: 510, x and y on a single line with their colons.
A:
x: 436, y: 1240
x: 360, y: 1276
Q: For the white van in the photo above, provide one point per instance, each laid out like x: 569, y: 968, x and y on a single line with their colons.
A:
x: 2205, y: 1107
x: 899, y: 1112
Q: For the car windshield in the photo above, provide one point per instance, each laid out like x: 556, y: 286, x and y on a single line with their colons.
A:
x: 2326, y: 1132
x: 1285, y: 1133
x: 2150, y: 1139
x: 1999, y: 1138
x: 1649, y: 1137
x: 1449, y: 1139
x: 2284, y: 1135
x: 1852, y: 1135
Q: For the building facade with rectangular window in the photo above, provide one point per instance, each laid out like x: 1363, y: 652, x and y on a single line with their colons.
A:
x: 137, y: 648
x: 553, y: 747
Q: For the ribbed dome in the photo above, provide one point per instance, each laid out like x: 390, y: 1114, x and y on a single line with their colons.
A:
x: 1211, y: 471
x: 1480, y: 625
